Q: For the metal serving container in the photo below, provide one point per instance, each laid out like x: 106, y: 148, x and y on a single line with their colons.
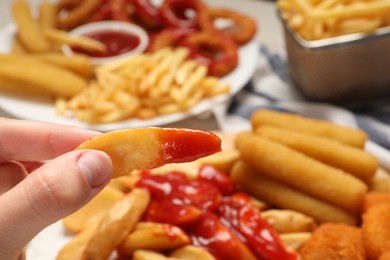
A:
x: 343, y: 69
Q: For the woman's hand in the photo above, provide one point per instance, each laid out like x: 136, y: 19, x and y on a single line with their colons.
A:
x: 31, y: 201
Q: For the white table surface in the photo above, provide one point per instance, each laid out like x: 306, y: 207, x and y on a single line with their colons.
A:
x: 269, y: 33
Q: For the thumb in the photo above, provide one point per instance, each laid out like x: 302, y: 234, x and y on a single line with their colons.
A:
x: 50, y: 193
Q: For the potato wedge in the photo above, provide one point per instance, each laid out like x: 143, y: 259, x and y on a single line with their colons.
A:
x: 145, y: 148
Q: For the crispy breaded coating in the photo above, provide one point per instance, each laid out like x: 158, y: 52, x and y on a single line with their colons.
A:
x: 372, y: 199
x: 336, y: 242
x: 376, y: 230
x: 385, y: 256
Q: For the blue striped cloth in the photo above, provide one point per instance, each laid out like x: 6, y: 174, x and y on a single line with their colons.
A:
x: 270, y: 89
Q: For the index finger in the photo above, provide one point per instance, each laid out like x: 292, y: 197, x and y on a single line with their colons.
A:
x: 35, y: 141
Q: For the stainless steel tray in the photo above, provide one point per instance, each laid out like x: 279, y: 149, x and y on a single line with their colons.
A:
x: 342, y: 69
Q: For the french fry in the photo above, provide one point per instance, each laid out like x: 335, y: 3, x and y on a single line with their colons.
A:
x: 350, y: 159
x: 69, y: 85
x: 289, y: 221
x: 101, y: 238
x: 223, y: 160
x: 295, y: 241
x: 47, y: 15
x: 17, y: 47
x: 153, y: 236
x: 354, y: 137
x: 284, y: 196
x: 93, y: 211
x: 85, y: 43
x: 29, y: 31
x: 145, y: 148
x: 301, y: 172
x: 79, y: 13
x: 149, y: 255
x: 191, y: 253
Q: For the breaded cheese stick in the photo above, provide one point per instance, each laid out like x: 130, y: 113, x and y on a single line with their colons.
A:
x: 301, y: 172
x: 283, y: 196
x: 29, y: 31
x: 342, y: 134
x: 28, y: 71
x: 334, y: 241
x: 79, y: 64
x: 376, y: 230
x: 348, y: 158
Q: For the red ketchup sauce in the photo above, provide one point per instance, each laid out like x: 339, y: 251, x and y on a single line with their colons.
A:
x: 188, y: 145
x: 216, y: 218
x: 117, y: 42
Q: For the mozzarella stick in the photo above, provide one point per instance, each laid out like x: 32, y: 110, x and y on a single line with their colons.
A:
x: 28, y: 71
x: 348, y: 158
x: 283, y: 196
x: 79, y: 64
x: 301, y: 172
x: 350, y: 136
x: 29, y: 30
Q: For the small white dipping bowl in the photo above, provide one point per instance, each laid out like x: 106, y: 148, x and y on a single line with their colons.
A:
x: 104, y: 26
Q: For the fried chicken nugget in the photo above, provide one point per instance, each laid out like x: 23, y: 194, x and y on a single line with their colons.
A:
x: 373, y: 199
x: 376, y: 230
x: 336, y: 242
x: 385, y: 256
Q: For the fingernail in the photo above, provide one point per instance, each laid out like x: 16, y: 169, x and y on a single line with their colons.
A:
x: 96, y: 166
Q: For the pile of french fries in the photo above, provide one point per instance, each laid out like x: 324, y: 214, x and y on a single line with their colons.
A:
x: 314, y: 19
x: 143, y: 86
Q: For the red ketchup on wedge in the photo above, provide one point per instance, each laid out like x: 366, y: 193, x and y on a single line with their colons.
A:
x: 117, y: 42
x: 215, y: 216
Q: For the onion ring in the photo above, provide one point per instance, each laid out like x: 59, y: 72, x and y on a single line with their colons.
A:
x: 177, y: 13
x: 217, y: 51
x: 147, y: 14
x: 168, y: 37
x: 242, y: 30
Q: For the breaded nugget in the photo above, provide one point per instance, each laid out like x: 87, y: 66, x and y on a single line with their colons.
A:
x: 372, y: 199
x: 376, y: 230
x: 385, y: 256
x: 336, y: 242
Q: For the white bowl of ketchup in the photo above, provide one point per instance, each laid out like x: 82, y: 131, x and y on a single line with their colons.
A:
x: 122, y: 40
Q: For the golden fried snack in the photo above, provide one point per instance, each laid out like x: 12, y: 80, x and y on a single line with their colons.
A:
x: 223, y: 160
x: 348, y: 158
x: 283, y: 196
x: 295, y: 241
x: 298, y: 123
x: 153, y: 236
x: 376, y: 230
x: 145, y: 148
x: 79, y: 64
x: 301, y: 172
x: 373, y: 199
x: 385, y: 256
x: 55, y: 81
x: 101, y: 238
x: 17, y: 47
x: 191, y: 253
x: 288, y: 221
x: 78, y: 15
x: 47, y: 15
x: 60, y: 37
x: 379, y: 183
x: 29, y: 31
x: 336, y: 242
x: 93, y: 211
x: 149, y: 255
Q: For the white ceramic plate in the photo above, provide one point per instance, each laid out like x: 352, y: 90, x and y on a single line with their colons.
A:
x: 44, y: 110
